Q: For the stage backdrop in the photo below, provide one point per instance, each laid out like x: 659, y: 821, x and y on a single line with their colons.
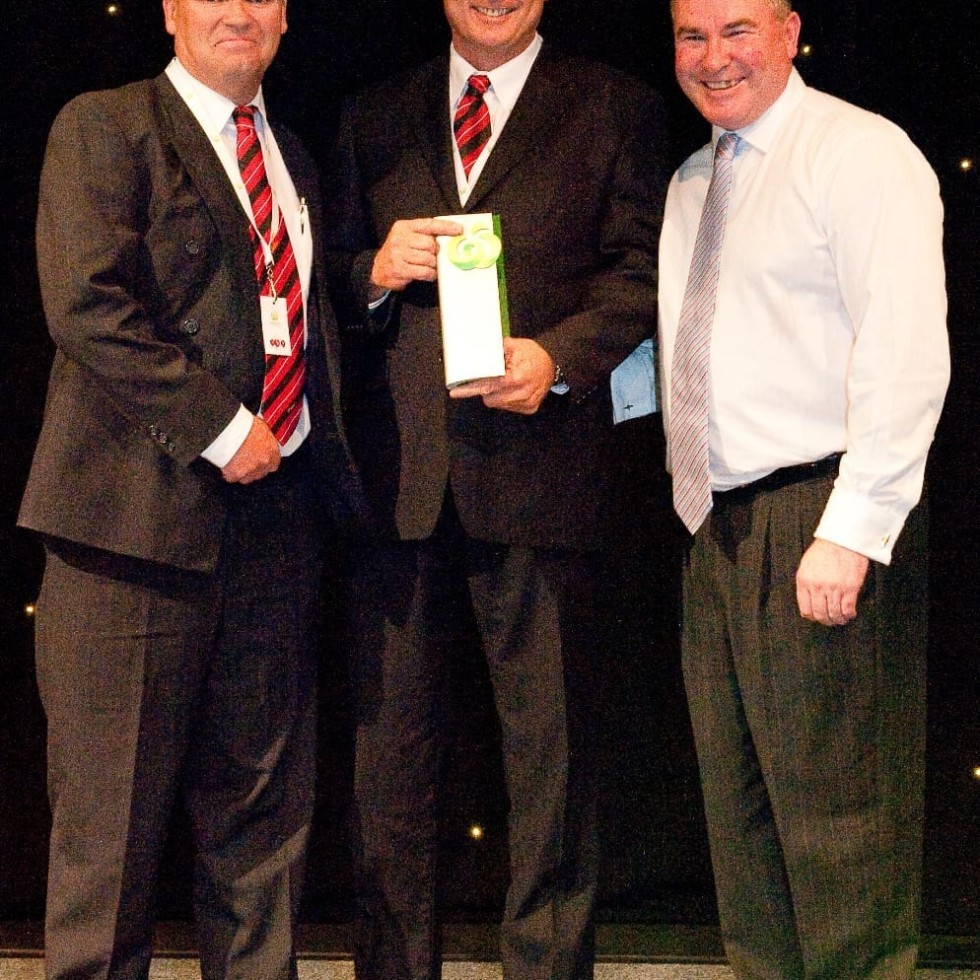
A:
x: 920, y: 71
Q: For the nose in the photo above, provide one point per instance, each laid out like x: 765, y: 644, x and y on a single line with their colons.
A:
x: 716, y: 54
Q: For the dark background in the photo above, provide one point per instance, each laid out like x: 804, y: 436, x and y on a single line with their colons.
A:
x: 916, y: 65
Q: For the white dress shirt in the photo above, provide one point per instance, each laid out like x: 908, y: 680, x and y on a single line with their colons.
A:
x: 213, y: 112
x: 830, y: 323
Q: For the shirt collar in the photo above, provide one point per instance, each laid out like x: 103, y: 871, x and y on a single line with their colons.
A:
x: 212, y: 109
x: 762, y: 133
x: 505, y: 81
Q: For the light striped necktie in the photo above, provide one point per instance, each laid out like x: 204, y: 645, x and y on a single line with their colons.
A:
x: 471, y: 124
x: 285, y: 375
x: 689, y: 377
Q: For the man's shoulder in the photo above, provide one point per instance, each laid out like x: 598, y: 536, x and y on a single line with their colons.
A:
x: 598, y: 94
x: 829, y: 117
x: 130, y: 105
x: 837, y: 137
x: 576, y: 67
x: 589, y: 79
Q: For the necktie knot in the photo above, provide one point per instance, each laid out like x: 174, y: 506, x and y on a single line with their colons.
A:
x: 477, y: 84
x: 727, y: 146
x: 244, y: 117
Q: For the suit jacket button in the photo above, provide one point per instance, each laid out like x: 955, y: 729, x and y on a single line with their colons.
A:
x: 190, y: 326
x: 192, y: 247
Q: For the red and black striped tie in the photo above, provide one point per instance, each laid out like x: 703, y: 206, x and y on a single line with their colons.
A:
x: 285, y: 375
x: 472, y: 121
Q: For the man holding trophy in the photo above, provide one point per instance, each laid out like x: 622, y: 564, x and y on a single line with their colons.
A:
x: 491, y: 493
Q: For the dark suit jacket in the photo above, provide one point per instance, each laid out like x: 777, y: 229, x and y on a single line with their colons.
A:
x: 150, y: 294
x: 578, y: 177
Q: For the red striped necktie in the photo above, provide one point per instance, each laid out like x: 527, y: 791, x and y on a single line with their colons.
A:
x: 285, y: 375
x: 472, y: 121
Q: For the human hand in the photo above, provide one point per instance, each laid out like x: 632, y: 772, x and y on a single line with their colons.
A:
x: 530, y: 374
x: 409, y: 252
x: 828, y: 582
x: 258, y: 456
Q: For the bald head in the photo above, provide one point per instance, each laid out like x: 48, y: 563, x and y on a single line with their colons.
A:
x: 782, y: 8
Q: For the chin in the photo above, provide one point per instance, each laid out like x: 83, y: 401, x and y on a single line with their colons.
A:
x: 725, y: 119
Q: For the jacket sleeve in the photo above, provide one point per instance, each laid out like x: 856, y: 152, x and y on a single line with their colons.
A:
x: 123, y: 267
x: 618, y: 301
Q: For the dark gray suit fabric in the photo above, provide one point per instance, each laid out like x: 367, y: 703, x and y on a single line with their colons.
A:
x: 173, y: 628
x: 469, y: 496
x: 811, y: 745
x: 533, y: 609
x: 577, y: 179
x: 148, y: 282
x: 158, y: 682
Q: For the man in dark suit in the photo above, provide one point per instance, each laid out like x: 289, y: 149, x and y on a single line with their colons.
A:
x: 492, y: 496
x: 182, y: 501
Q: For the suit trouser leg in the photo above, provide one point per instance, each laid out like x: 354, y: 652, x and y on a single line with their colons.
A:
x: 117, y: 670
x: 811, y: 746
x: 534, y: 613
x: 406, y: 596
x: 534, y: 610
x: 125, y: 669
x: 252, y: 763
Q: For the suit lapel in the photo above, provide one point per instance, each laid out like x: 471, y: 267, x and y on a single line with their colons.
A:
x: 428, y: 102
x: 538, y: 113
x: 192, y: 146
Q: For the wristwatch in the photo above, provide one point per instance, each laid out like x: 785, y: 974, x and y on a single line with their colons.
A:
x: 559, y: 386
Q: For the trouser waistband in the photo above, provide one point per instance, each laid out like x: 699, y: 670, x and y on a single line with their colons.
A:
x: 785, y: 476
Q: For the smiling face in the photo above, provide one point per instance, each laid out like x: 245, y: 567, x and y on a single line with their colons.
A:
x: 733, y: 57
x: 488, y: 33
x: 228, y: 46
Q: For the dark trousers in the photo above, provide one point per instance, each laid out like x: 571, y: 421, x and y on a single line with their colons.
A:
x: 156, y: 680
x: 811, y: 745
x: 533, y: 611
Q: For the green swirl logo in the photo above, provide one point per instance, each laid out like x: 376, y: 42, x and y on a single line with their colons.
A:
x: 480, y: 249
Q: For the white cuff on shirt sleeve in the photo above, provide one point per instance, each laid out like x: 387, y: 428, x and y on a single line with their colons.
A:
x: 230, y: 441
x: 854, y: 522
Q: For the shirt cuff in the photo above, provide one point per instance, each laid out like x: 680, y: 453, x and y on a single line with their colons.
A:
x: 854, y: 522
x: 375, y: 303
x: 230, y: 441
x: 634, y: 385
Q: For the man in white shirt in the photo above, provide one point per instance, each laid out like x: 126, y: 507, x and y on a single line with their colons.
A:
x: 190, y: 448
x: 493, y: 496
x: 804, y: 622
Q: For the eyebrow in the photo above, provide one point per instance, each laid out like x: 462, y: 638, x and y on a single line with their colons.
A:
x: 742, y: 22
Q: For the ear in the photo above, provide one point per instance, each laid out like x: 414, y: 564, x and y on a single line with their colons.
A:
x: 284, y: 26
x: 168, y: 16
x: 791, y: 34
